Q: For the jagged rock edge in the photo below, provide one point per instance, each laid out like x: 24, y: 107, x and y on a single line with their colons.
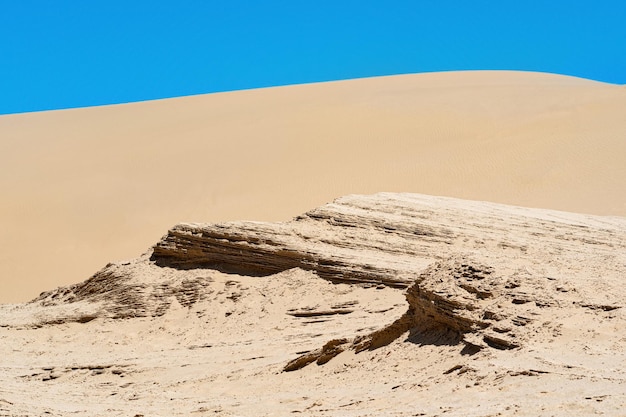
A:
x: 431, y: 316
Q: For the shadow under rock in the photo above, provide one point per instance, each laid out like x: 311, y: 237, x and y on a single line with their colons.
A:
x: 226, y: 268
x: 439, y: 336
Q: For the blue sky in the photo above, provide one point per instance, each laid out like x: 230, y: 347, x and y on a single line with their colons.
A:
x: 73, y: 53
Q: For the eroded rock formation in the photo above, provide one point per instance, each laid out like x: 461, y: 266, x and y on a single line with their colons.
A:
x: 479, y: 271
x: 457, y: 300
x: 419, y: 296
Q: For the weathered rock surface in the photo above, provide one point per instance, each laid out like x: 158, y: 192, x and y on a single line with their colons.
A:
x: 390, y: 238
x: 504, y: 254
x: 488, y: 289
x: 457, y: 300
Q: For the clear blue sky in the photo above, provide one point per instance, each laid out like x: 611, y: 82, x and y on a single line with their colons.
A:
x: 74, y: 53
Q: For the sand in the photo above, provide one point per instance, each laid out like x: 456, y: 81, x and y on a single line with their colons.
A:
x: 503, y: 311
x: 87, y: 186
x: 391, y: 304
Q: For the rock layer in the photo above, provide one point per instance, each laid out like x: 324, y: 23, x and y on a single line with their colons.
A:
x: 387, y: 238
x: 457, y: 300
x: 488, y: 281
x: 493, y: 295
x: 382, y: 239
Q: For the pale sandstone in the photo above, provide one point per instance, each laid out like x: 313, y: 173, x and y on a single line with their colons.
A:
x: 506, y: 310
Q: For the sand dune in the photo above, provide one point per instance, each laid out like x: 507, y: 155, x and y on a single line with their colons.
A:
x: 83, y: 187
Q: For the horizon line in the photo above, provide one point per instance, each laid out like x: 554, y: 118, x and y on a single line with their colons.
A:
x: 263, y: 87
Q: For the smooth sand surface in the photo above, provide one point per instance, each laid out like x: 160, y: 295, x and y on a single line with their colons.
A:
x: 87, y: 186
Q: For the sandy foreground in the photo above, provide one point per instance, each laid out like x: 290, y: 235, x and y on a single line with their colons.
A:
x: 378, y: 305
x: 84, y: 187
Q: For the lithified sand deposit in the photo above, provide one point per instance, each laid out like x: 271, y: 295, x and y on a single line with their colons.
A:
x: 397, y: 303
x: 385, y: 304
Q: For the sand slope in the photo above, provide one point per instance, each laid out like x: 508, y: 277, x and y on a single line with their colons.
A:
x: 83, y: 187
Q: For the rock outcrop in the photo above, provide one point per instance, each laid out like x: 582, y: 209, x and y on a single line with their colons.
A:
x: 457, y: 300
x: 469, y: 266
x: 412, y: 292
x: 388, y: 239
x: 351, y: 240
x: 480, y: 274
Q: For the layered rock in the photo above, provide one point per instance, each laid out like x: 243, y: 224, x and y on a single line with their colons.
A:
x: 350, y: 240
x: 457, y: 300
x: 388, y: 238
x: 472, y: 268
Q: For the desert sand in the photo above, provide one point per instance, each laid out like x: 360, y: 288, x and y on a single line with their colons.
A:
x: 190, y: 256
x: 87, y: 186
x: 386, y: 304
